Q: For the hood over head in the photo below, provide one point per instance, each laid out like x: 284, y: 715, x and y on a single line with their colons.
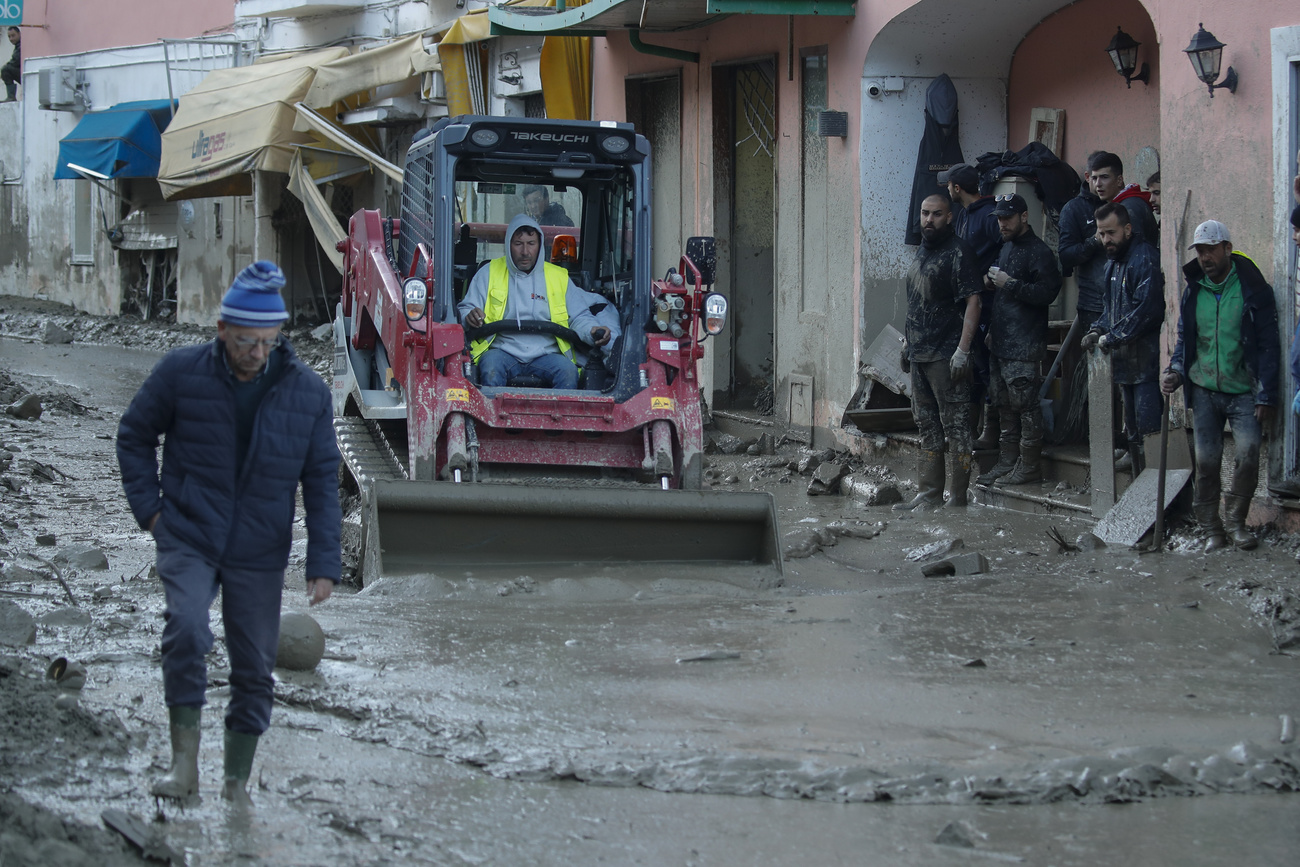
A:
x: 941, y: 101
x: 516, y: 224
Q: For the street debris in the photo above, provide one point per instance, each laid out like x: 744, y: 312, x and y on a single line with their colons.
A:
x: 931, y: 550
x: 973, y: 563
x: 302, y: 642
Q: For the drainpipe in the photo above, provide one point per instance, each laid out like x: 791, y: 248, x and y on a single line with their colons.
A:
x: 634, y: 36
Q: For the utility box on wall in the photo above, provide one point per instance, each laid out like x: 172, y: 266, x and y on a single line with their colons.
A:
x: 57, y: 88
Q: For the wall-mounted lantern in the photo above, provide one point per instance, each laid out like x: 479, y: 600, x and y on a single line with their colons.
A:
x: 1123, y: 51
x: 1206, y: 54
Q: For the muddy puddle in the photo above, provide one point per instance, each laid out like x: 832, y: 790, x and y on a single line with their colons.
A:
x: 1050, y: 709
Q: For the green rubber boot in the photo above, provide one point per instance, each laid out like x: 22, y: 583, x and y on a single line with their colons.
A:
x: 240, y: 749
x: 182, y: 780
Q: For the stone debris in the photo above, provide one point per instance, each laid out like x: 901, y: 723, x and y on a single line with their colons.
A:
x: 302, y: 643
x: 17, y: 627
x: 324, y: 331
x: 933, y: 549
x: 764, y: 445
x: 27, y: 407
x: 974, y: 663
x: 64, y: 617
x: 808, y: 463
x: 973, y: 563
x: 47, y: 540
x: 826, y: 480
x: 1089, y: 542
x: 28, y: 572
x: 55, y: 333
x: 82, y: 557
x: 870, y: 492
x: 728, y: 444
x: 955, y: 834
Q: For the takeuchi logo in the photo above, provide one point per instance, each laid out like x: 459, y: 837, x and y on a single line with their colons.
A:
x: 207, y: 146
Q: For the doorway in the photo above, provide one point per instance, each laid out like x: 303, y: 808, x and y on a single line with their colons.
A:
x: 744, y: 136
x: 654, y: 107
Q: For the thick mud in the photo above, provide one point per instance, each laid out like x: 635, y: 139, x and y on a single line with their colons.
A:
x: 1134, y: 707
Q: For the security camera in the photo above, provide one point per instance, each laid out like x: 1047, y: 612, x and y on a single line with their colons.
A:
x: 874, y: 90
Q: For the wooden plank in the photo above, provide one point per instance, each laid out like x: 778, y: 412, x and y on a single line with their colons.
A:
x: 1101, y: 426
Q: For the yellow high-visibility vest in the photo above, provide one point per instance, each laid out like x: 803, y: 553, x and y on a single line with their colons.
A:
x: 557, y: 286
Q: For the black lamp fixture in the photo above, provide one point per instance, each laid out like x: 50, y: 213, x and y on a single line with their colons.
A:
x: 1123, y: 51
x: 1206, y: 54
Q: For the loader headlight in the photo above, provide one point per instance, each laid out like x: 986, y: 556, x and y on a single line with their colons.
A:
x: 415, y: 298
x: 715, y: 313
x: 615, y: 145
x: 484, y: 137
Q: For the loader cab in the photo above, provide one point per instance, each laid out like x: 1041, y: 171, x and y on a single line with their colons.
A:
x: 467, y: 182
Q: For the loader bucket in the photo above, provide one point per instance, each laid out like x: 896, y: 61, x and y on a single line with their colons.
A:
x: 417, y: 527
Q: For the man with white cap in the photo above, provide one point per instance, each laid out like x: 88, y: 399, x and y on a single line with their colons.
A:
x: 1227, y: 355
x: 245, y: 423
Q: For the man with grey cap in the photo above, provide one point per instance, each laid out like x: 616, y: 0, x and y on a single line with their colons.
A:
x: 245, y: 424
x: 1227, y: 355
x: 1025, y: 281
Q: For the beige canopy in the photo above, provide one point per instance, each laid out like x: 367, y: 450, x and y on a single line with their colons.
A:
x: 395, y: 63
x: 237, y: 121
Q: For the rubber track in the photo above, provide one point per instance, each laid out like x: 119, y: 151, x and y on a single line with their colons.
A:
x: 368, y: 453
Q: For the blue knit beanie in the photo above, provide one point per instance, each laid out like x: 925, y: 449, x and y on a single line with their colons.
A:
x: 253, y: 300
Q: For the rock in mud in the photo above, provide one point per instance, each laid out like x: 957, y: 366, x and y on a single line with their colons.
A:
x: 808, y: 463
x: 47, y: 540
x: 17, y: 627
x: 857, y: 530
x: 728, y: 444
x: 27, y: 407
x: 82, y: 557
x: 302, y: 643
x: 933, y: 549
x: 869, y: 492
x: 66, y: 617
x: 955, y: 834
x: 806, y: 541
x: 1089, y: 542
x: 766, y: 444
x: 55, y: 333
x: 27, y: 573
x: 826, y: 480
x: 973, y: 563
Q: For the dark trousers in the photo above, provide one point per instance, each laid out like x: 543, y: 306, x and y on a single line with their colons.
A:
x: 1015, y: 391
x: 250, y: 610
x: 941, y: 408
x: 1142, y: 408
x: 1210, y: 409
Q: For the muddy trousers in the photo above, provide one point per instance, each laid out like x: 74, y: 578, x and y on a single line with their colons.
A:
x: 1015, y: 394
x: 1210, y: 409
x: 942, y: 412
x: 250, y: 610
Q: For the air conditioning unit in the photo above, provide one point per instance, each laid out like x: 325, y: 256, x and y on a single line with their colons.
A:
x: 57, y: 88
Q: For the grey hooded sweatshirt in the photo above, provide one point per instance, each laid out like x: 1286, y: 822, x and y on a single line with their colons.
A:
x: 526, y: 300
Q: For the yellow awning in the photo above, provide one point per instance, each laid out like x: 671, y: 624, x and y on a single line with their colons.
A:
x: 319, y: 214
x: 397, y: 62
x: 237, y: 121
x: 334, y: 133
x: 566, y: 77
x: 464, y: 61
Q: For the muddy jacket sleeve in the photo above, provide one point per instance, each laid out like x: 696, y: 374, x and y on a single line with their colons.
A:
x: 1044, y: 283
x: 1268, y: 348
x: 147, y: 418
x: 1146, y: 289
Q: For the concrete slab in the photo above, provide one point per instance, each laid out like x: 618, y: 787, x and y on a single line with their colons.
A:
x: 1135, y: 513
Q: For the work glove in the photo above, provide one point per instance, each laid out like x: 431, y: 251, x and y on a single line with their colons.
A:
x: 1170, y: 380
x: 1089, y: 340
x: 1295, y: 404
x: 959, y: 366
x: 1105, y: 342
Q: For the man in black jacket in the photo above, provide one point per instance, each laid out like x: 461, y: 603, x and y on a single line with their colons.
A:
x: 1025, y: 281
x: 943, y: 312
x: 244, y: 424
x: 12, y: 72
x: 1227, y: 355
x: 1129, y: 325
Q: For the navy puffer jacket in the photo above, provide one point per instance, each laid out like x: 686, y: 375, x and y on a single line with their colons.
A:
x: 245, y: 522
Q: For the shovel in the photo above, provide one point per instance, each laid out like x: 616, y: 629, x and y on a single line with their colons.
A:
x: 1044, y: 403
x: 1158, y: 534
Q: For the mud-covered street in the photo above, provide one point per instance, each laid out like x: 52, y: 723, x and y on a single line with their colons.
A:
x: 1056, y: 708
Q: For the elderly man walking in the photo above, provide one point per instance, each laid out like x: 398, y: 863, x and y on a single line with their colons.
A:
x: 1227, y: 355
x: 245, y: 424
x: 943, y: 313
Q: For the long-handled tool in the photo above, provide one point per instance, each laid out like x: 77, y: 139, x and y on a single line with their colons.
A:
x: 1158, y: 535
x: 1049, y: 416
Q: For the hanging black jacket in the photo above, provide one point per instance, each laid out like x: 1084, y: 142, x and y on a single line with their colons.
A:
x: 939, y: 150
x: 1018, y: 327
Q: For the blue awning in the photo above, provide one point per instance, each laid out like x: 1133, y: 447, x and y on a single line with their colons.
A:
x: 124, y: 141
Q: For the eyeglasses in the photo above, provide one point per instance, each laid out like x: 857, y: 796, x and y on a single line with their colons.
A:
x: 250, y: 343
x: 1005, y: 197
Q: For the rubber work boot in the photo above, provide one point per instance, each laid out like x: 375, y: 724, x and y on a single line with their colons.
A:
x: 988, y: 438
x: 1006, y: 463
x: 1207, y: 519
x: 182, y: 781
x: 1028, y: 469
x: 957, y: 497
x: 1235, y: 510
x: 240, y: 749
x: 929, y: 479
